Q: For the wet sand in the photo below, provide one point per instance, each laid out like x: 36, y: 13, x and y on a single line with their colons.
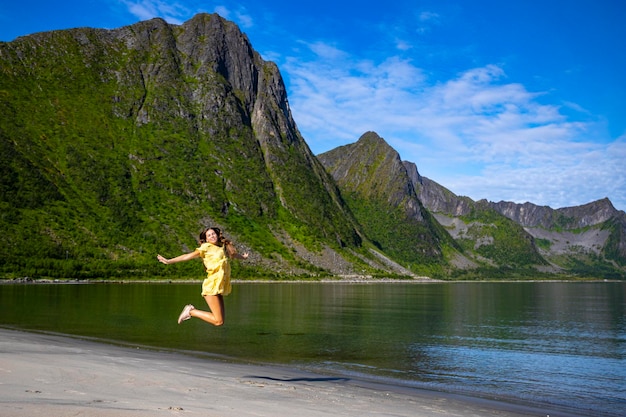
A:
x: 43, y: 374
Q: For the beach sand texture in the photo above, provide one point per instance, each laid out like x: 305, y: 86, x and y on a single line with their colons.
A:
x: 44, y: 374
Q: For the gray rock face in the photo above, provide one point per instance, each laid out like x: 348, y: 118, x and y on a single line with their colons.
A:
x: 531, y: 215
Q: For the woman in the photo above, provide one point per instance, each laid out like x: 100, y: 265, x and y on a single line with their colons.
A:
x: 215, y: 251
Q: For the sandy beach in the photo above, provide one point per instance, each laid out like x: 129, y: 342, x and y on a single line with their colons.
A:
x: 48, y: 375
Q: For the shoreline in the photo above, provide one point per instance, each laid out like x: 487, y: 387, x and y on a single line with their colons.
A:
x: 333, y: 279
x: 46, y: 374
x: 338, y: 280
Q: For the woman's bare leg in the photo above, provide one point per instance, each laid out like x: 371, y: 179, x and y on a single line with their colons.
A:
x: 216, y: 315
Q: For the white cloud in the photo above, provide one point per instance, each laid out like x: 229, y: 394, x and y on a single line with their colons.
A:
x: 239, y: 16
x: 172, y: 12
x: 476, y: 133
x: 425, y: 20
x: 178, y: 12
x: 428, y: 17
x: 223, y: 11
x: 574, y: 176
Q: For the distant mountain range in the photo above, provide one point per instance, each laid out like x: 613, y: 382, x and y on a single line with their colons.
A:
x: 487, y: 237
x: 118, y: 144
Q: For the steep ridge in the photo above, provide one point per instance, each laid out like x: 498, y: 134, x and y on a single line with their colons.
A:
x: 378, y: 189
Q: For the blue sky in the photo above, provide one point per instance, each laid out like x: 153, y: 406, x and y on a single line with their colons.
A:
x: 518, y: 100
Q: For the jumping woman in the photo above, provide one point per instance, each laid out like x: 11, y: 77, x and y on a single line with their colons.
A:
x: 215, y: 251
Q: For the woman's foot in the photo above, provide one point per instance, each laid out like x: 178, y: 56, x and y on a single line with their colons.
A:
x: 186, y: 313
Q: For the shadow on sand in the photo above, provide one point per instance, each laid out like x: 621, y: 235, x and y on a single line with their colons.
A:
x: 329, y: 379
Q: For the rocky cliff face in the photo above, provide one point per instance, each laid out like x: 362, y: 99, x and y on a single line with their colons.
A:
x: 596, y: 228
x: 371, y: 168
x: 228, y: 86
x: 531, y: 215
x: 439, y: 199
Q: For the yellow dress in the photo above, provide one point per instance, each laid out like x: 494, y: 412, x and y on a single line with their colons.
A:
x: 217, y: 269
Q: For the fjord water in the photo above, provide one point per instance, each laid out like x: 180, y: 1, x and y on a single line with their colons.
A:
x: 557, y: 344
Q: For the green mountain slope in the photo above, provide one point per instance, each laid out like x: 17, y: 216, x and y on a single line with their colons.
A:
x: 378, y: 189
x: 118, y: 144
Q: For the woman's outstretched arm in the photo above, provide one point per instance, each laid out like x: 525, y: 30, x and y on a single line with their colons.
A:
x: 181, y: 258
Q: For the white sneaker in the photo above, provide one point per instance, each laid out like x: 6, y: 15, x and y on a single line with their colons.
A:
x: 185, y: 315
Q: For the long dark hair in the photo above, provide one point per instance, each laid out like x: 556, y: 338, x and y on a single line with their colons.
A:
x: 231, y: 251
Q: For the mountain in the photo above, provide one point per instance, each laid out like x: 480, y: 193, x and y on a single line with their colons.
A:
x: 585, y: 239
x: 392, y: 200
x: 471, y: 238
x: 118, y: 144
x: 378, y: 189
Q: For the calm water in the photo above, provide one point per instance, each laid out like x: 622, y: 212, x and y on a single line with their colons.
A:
x: 562, y: 345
